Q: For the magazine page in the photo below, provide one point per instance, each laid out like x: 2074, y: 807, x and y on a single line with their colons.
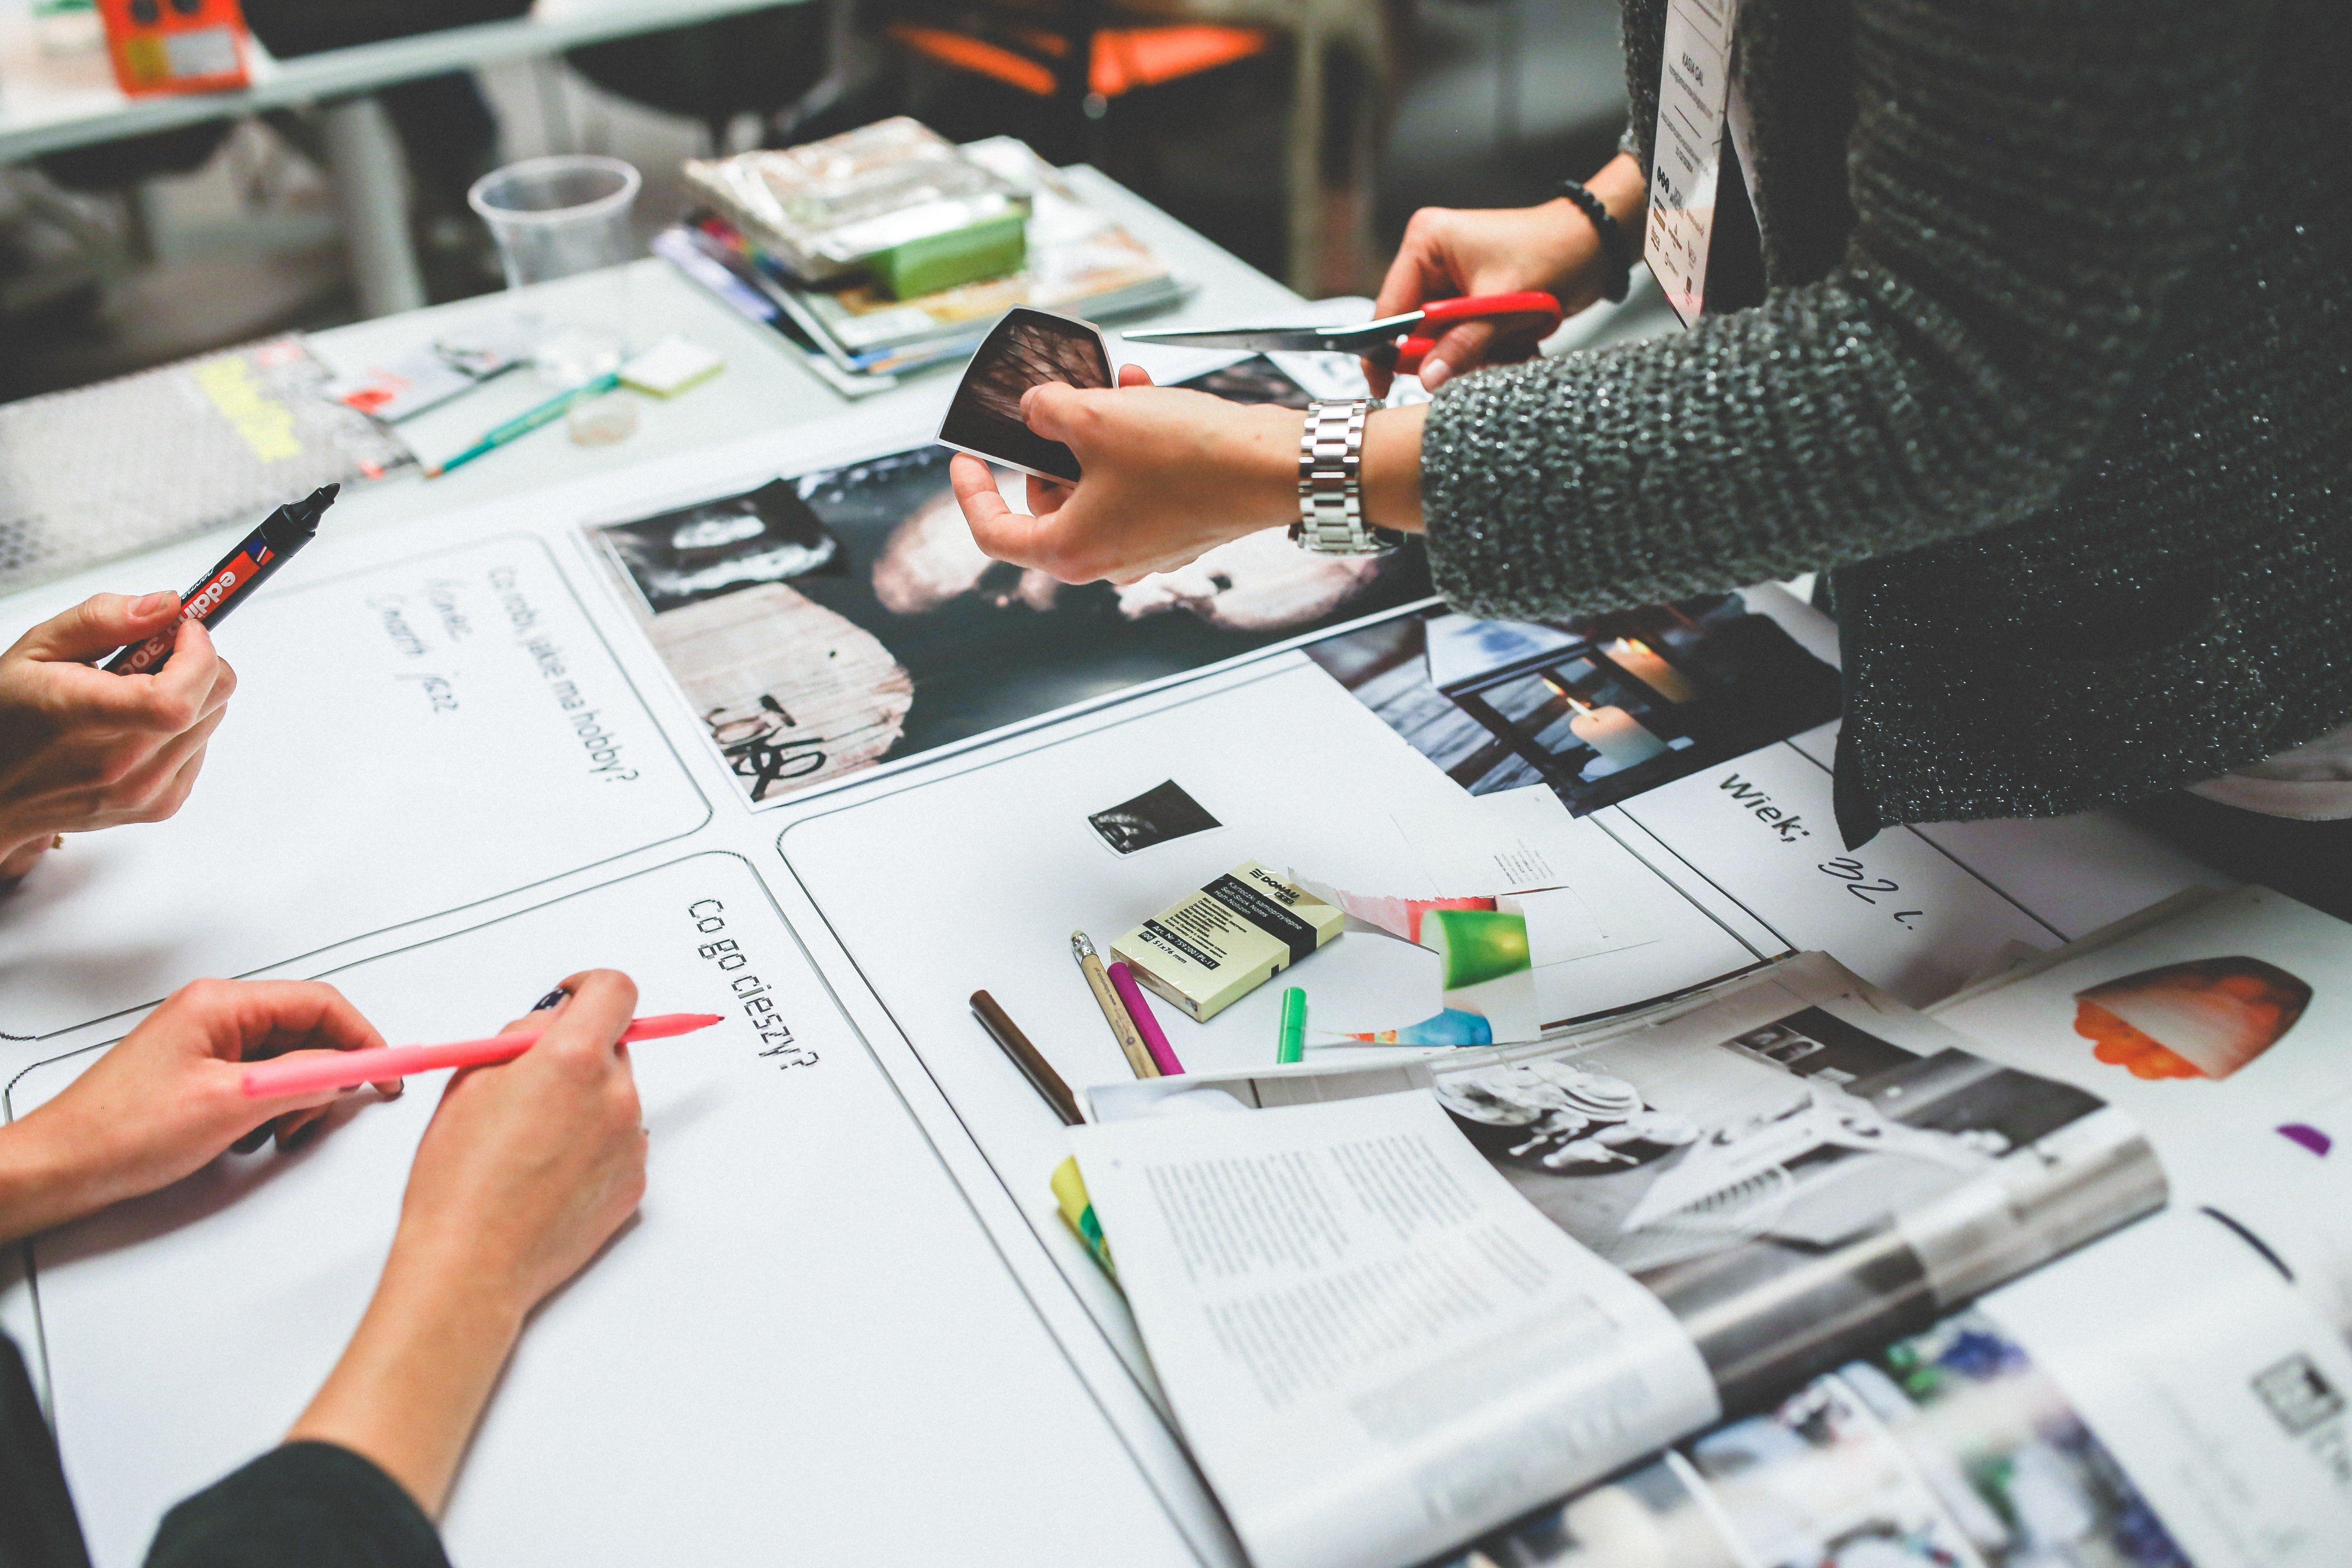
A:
x: 2161, y: 1398
x: 1790, y: 1176
x: 1374, y: 1348
x: 2222, y: 1032
x: 1799, y: 1169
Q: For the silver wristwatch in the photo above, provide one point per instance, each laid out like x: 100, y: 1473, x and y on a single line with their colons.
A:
x: 1330, y: 484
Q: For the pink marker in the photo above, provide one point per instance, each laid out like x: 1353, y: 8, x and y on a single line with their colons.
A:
x: 349, y: 1069
x: 1130, y: 994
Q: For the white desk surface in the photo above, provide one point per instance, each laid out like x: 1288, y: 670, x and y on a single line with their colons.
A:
x: 1004, y: 1389
x: 764, y: 389
x: 48, y: 103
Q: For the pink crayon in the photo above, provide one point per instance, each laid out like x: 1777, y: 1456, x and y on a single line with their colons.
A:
x: 349, y: 1069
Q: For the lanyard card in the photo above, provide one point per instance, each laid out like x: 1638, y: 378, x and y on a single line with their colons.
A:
x: 1686, y: 157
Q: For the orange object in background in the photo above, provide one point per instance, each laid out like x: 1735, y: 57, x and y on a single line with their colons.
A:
x: 1124, y: 59
x: 175, y: 45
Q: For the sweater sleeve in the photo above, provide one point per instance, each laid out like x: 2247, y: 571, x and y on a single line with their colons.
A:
x: 304, y: 1505
x: 2033, y: 183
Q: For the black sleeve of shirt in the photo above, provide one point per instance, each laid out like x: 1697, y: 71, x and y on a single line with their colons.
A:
x: 37, y: 1528
x: 305, y: 1505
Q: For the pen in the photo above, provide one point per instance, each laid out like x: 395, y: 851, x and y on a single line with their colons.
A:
x: 1114, y: 1011
x: 1155, y: 1039
x: 523, y: 423
x: 1293, y: 1040
x: 349, y: 1069
x: 241, y: 571
x: 1026, y: 1056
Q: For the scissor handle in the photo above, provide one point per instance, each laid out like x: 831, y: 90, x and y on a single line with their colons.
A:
x: 1540, y: 310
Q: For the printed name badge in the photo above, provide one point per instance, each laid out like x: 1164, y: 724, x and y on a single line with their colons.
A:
x: 1688, y: 152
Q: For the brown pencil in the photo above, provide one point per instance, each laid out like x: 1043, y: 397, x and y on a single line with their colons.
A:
x: 1033, y: 1065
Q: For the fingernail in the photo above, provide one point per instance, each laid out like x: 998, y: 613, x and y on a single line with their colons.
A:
x: 152, y: 604
x: 398, y: 1087
x: 552, y: 999
x: 1434, y: 373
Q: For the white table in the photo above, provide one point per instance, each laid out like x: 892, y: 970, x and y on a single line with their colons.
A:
x: 763, y: 388
x: 50, y: 104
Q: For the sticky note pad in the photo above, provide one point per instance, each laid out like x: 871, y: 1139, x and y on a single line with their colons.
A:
x: 670, y: 366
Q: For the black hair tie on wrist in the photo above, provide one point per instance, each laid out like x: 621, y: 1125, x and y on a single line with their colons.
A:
x: 1615, y: 247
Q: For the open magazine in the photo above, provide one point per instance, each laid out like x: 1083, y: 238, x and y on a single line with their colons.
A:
x: 2172, y: 1394
x: 1399, y: 1305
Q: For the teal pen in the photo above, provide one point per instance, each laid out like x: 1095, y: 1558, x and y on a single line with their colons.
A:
x: 525, y: 423
x: 1293, y: 1027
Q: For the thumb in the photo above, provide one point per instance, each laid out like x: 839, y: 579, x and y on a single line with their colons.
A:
x: 99, y: 624
x: 1050, y: 408
x: 1458, y: 349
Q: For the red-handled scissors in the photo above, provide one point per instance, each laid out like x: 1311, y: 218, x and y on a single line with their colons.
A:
x: 1531, y: 313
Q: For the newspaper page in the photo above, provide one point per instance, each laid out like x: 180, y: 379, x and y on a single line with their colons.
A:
x: 2162, y: 1398
x: 1374, y: 1347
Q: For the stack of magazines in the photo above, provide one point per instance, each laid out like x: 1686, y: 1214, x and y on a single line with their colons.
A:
x: 1783, y: 1274
x: 860, y: 337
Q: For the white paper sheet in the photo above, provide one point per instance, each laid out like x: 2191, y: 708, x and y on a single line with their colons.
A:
x: 1376, y: 1348
x: 795, y: 1348
x: 405, y: 740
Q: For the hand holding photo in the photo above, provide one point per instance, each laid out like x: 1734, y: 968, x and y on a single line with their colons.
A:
x: 1027, y: 348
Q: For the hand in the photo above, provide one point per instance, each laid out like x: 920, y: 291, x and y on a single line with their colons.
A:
x: 530, y: 1166
x: 169, y: 1097
x: 81, y: 749
x: 1169, y: 474
x: 526, y: 1169
x: 1448, y: 254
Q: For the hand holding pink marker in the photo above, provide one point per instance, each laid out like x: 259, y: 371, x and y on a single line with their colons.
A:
x: 349, y: 1069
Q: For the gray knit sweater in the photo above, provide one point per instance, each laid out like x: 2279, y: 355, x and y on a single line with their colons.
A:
x: 2053, y: 369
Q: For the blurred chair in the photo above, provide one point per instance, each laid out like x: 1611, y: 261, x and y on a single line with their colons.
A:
x: 1075, y: 53
x: 760, y: 62
x: 1084, y: 53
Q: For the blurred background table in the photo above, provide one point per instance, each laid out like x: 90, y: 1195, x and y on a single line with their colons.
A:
x: 55, y: 103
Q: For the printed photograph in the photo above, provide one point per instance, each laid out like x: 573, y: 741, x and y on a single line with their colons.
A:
x: 1028, y: 348
x: 2203, y: 1019
x: 1946, y: 1448
x: 1797, y: 1151
x: 1600, y: 709
x: 826, y: 621
x: 1155, y: 817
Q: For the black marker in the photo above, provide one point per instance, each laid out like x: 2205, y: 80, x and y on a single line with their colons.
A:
x: 246, y: 567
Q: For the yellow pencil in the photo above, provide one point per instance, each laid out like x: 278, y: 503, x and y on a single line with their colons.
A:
x: 1114, y: 1012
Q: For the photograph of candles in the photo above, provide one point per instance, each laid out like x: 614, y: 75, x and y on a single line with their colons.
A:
x: 1598, y: 710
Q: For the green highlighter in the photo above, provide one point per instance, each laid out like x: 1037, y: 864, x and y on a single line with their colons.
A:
x: 1293, y: 1040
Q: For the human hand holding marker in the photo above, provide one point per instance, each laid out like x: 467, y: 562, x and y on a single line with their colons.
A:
x: 81, y: 749
x: 167, y: 1097
x: 365, y: 1067
x: 525, y: 1172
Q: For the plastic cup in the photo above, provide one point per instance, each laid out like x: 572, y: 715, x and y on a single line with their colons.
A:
x: 555, y: 217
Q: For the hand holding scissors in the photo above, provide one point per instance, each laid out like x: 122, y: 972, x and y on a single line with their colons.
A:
x: 1392, y: 343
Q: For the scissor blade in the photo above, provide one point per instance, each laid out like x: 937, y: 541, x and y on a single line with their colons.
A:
x: 1365, y: 337
x: 1305, y: 339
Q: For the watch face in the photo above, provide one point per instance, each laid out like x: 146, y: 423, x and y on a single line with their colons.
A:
x: 1028, y: 348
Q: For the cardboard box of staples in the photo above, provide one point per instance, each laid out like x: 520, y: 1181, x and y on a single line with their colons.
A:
x: 1213, y: 947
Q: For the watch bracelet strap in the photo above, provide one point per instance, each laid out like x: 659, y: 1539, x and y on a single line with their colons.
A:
x: 1616, y: 247
x: 1330, y: 483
